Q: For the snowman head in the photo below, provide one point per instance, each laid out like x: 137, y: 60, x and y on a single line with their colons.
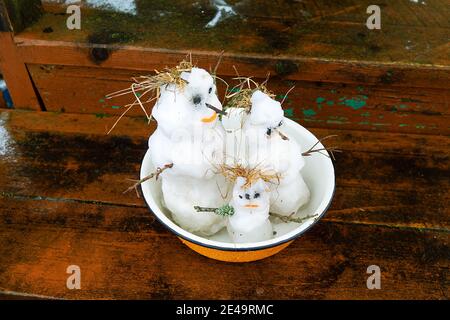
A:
x: 251, y: 198
x: 200, y: 92
x: 265, y: 112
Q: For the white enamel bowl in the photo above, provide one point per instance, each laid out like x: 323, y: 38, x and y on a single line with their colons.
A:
x: 318, y: 174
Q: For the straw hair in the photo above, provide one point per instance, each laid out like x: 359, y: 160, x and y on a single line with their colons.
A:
x: 241, y: 94
x: 151, y: 85
x: 154, y: 82
x: 251, y: 175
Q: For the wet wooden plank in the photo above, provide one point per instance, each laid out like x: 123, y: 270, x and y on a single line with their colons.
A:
x: 288, y: 67
x: 387, y: 179
x: 124, y: 254
x: 305, y: 42
x: 411, y: 32
x: 319, y: 104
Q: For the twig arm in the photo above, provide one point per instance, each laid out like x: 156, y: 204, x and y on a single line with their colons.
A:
x: 331, y: 150
x: 226, y: 211
x: 204, y: 209
x: 150, y: 176
x: 287, y: 219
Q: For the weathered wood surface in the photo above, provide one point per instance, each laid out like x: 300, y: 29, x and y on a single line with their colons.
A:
x: 61, y: 203
x: 411, y: 32
x: 385, y: 93
x: 124, y: 253
x: 393, y: 80
x: 360, y: 106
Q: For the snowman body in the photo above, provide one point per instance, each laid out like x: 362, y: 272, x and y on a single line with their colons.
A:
x: 268, y: 150
x: 189, y: 137
x: 250, y: 221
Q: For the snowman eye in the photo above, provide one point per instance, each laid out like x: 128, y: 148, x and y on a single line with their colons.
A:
x: 210, y: 90
x: 240, y: 196
x: 247, y: 196
x: 269, y: 131
x: 257, y: 195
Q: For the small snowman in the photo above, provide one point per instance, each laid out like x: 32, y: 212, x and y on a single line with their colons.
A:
x: 250, y: 221
x: 270, y: 149
x: 189, y: 138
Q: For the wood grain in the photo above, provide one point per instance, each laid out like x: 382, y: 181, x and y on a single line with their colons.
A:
x: 124, y: 253
x: 289, y: 67
x: 379, y: 179
x: 61, y: 203
x: 410, y: 33
x: 319, y: 104
x: 346, y: 77
x: 385, y: 93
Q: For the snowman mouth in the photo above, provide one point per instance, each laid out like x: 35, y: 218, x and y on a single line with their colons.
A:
x: 210, y: 119
x: 251, y: 206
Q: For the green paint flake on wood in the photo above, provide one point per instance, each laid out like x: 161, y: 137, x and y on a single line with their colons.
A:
x: 320, y: 100
x: 330, y: 102
x: 289, y: 112
x: 115, y: 107
x: 354, y: 103
x: 309, y: 112
x: 420, y: 126
x: 401, y: 125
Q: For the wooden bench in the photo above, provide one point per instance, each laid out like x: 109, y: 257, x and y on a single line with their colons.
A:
x: 385, y: 93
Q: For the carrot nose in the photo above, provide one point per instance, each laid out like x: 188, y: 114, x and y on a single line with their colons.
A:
x: 210, y: 119
x: 251, y: 206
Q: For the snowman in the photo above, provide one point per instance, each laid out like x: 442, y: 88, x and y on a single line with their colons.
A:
x: 271, y: 150
x: 250, y: 221
x: 189, y: 137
